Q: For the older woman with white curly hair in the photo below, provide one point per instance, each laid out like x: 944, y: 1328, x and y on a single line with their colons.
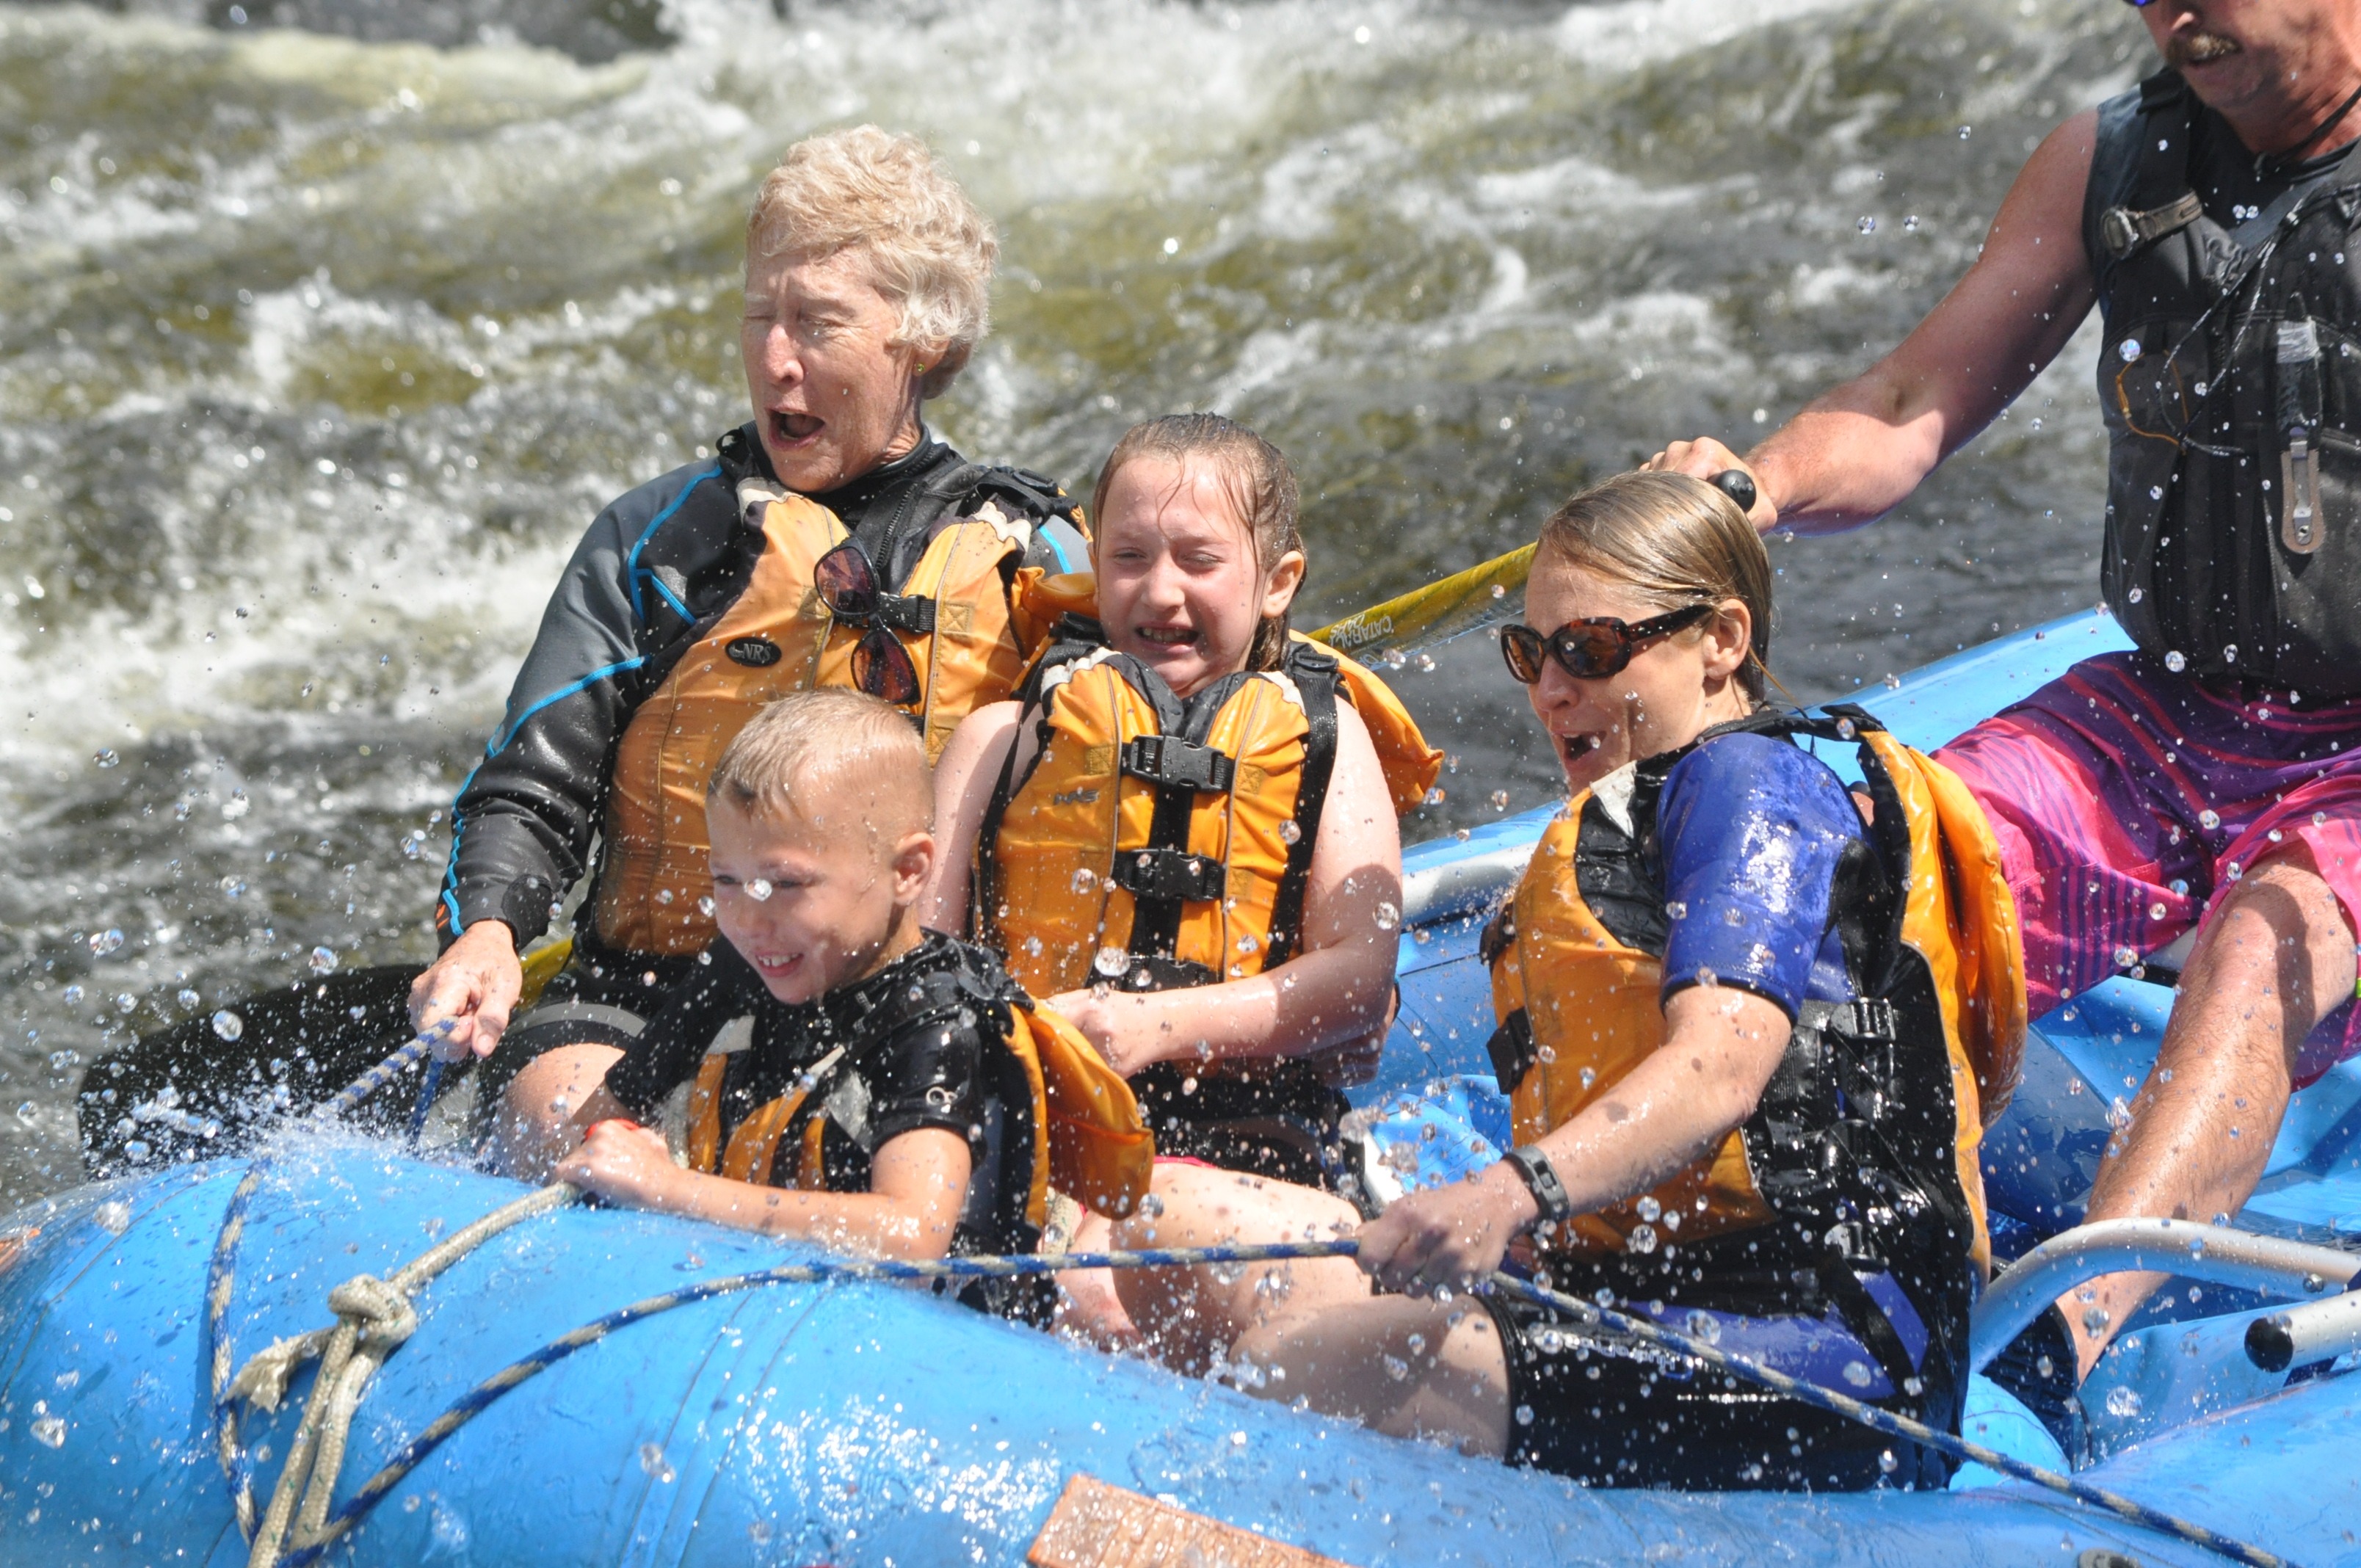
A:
x: 832, y: 540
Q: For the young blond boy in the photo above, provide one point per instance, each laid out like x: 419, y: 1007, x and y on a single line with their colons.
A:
x: 870, y: 1103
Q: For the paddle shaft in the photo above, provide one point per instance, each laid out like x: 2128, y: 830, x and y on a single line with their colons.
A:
x: 1465, y: 601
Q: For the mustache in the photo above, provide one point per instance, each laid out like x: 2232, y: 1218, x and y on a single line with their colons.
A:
x: 2199, y: 47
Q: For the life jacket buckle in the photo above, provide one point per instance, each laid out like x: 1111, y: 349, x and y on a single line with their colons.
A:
x: 1171, y: 761
x: 1170, y: 874
x: 2123, y: 231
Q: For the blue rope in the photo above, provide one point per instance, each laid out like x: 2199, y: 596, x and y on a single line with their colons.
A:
x: 1023, y: 1266
x: 492, y: 1388
x: 428, y: 1088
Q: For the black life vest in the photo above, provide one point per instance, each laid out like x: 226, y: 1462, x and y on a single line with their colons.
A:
x: 2231, y: 386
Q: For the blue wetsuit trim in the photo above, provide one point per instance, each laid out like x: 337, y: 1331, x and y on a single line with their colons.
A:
x: 631, y: 561
x: 496, y: 746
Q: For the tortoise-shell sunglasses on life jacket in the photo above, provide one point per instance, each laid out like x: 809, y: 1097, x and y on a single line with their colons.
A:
x: 1592, y: 649
x: 847, y: 585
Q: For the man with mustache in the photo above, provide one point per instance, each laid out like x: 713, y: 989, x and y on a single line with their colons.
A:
x: 2212, y: 778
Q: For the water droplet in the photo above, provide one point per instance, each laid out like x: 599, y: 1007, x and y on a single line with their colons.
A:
x: 2126, y: 958
x: 235, y: 807
x: 233, y: 885
x: 1865, y: 223
x: 1846, y: 729
x: 1909, y: 225
x: 2155, y: 911
x: 1435, y: 796
x: 1500, y: 800
x: 1648, y: 1208
x: 1397, y: 1368
x: 651, y: 1459
x: 27, y: 1111
x: 2129, y: 349
x: 1704, y: 1325
x: 2176, y: 661
x: 1499, y: 592
x: 1642, y: 1239
x: 114, y: 1217
x: 1589, y: 1076
x: 106, y: 758
x: 2094, y: 1318
x: 49, y: 1431
x: 1858, y: 1373
x: 1389, y: 916
x: 759, y: 890
x: 1707, y: 977
x: 105, y: 942
x: 1525, y: 1415
x: 2136, y: 595
x: 2230, y: 652
x: 1288, y: 832
x: 705, y: 907
x: 2123, y: 1403
x: 71, y: 996
x: 323, y: 960
x: 1964, y: 131
x: 1886, y: 1462
x: 1246, y: 943
x: 228, y: 1025
x: 1111, y: 961
x: 2208, y: 819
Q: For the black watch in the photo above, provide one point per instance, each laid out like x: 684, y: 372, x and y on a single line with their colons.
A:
x: 1540, y: 1177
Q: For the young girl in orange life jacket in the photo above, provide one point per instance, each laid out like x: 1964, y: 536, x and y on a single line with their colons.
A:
x: 1182, y: 833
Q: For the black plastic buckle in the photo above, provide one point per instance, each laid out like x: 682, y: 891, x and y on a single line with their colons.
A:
x: 913, y: 613
x: 1170, y: 874
x: 1168, y: 760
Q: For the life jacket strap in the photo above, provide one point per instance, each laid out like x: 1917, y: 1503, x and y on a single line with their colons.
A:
x: 912, y: 613
x: 2125, y: 231
x: 1170, y: 874
x: 1168, y: 760
x: 1154, y: 972
x: 1514, y: 1050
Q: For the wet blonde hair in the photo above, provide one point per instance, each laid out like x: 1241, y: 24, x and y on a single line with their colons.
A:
x: 927, y: 246
x: 1674, y: 540
x: 1261, y: 487
x: 840, y: 747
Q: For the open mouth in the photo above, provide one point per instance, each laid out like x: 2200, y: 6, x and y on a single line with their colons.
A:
x: 1166, y: 636
x: 2199, y: 48
x: 775, y: 966
x: 790, y: 428
x: 1574, y: 748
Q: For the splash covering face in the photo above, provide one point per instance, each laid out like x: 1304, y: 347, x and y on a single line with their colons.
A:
x: 812, y: 902
x: 834, y: 395
x: 1179, y: 585
x: 1674, y: 688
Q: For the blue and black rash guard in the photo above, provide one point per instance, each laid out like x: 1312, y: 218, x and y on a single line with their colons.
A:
x: 657, y: 568
x: 1751, y: 828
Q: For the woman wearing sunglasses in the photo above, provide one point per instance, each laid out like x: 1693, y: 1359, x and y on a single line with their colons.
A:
x: 833, y: 540
x: 1739, y: 1109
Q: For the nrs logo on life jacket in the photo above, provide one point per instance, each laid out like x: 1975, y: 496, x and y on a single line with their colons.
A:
x: 777, y: 638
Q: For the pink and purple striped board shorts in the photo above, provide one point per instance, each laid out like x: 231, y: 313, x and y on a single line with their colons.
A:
x: 2127, y: 798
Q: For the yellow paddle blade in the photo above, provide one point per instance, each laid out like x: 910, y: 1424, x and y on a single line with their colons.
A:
x: 1464, y: 602
x: 540, y: 967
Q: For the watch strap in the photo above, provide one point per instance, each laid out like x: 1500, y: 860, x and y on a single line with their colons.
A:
x: 1541, y: 1179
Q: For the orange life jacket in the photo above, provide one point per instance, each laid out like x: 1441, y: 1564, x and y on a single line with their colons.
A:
x: 954, y: 615
x: 1087, y: 1137
x: 1155, y: 842
x: 1877, y: 1106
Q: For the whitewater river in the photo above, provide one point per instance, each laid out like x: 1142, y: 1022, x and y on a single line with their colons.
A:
x: 322, y: 340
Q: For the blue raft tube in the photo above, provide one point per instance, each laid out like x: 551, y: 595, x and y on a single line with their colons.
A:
x: 870, y: 1423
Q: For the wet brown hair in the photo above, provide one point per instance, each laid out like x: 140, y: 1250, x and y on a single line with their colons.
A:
x: 1260, y: 485
x: 1674, y: 540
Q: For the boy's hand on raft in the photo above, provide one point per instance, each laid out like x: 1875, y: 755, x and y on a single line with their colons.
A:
x: 469, y: 991
x: 622, y: 1162
x: 1452, y: 1235
x: 1703, y: 458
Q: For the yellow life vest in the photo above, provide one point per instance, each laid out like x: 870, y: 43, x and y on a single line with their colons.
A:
x: 1086, y: 1134
x: 954, y: 616
x: 1871, y: 1124
x: 1155, y: 842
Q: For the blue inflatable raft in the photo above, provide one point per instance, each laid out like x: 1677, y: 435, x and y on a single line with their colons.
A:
x: 872, y: 1424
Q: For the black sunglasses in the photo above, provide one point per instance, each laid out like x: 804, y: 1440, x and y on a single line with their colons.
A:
x: 1590, y: 650
x: 847, y: 584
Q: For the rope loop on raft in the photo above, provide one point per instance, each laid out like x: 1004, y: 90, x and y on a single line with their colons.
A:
x: 376, y: 1316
